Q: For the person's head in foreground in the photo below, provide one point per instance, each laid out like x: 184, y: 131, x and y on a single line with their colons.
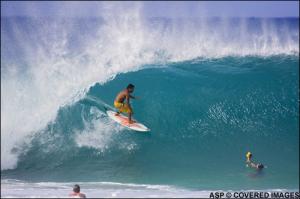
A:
x: 76, y: 192
x: 130, y: 88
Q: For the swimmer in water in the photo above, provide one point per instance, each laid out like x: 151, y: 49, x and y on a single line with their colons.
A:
x: 76, y: 192
x: 251, y: 164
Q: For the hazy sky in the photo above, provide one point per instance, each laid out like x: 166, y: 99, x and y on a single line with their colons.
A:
x: 155, y: 9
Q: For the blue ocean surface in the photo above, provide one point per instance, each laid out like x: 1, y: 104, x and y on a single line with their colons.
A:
x: 210, y: 91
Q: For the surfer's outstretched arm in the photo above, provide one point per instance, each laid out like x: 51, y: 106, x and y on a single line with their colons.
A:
x: 133, y: 97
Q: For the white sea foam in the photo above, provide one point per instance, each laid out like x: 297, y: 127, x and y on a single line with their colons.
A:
x: 48, y: 74
x: 98, y: 133
x: 21, y: 189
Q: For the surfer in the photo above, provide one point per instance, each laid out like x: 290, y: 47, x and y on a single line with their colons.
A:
x: 123, y: 106
x: 251, y: 164
x: 76, y: 192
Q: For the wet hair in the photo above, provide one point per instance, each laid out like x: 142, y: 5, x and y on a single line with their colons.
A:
x: 130, y: 86
x: 76, y: 188
x: 260, y: 166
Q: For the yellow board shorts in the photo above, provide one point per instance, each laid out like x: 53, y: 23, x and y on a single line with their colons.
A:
x: 122, y: 107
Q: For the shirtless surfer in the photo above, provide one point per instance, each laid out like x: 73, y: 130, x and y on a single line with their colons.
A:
x: 123, y: 106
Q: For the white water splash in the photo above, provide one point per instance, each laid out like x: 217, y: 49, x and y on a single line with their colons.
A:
x: 47, y: 74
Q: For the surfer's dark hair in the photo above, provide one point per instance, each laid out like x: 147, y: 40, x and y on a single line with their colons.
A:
x: 76, y: 188
x: 130, y: 86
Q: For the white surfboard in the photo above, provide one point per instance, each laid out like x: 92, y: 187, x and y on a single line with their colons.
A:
x: 123, y: 120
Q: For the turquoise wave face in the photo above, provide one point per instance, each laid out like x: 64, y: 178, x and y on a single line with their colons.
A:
x: 204, y: 116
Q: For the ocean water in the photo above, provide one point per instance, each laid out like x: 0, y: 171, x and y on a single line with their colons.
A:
x: 210, y: 90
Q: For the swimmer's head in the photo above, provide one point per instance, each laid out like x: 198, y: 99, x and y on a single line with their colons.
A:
x: 249, y: 155
x: 76, y: 188
x: 260, y: 166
